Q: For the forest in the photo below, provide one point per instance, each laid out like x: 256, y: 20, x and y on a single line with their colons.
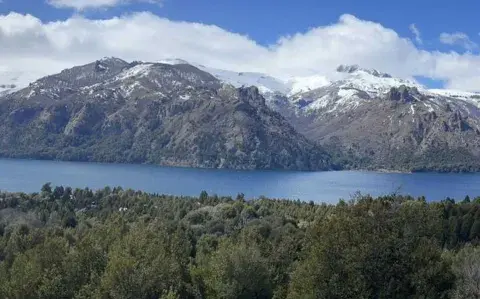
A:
x: 115, y: 243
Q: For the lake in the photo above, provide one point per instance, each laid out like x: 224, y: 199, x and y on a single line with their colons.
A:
x: 30, y: 175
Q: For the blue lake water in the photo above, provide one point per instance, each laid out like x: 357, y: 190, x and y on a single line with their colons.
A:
x: 30, y: 175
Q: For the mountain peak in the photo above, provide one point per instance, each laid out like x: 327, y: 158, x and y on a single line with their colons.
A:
x: 353, y: 68
x: 112, y: 60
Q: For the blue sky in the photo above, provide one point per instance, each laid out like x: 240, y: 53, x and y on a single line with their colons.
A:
x: 433, y: 41
x: 267, y: 20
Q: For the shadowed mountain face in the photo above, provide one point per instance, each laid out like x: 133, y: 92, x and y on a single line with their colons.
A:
x: 114, y: 111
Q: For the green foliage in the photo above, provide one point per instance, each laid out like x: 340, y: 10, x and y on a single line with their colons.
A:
x: 115, y: 243
x: 236, y: 271
x: 466, y: 266
x: 374, y: 249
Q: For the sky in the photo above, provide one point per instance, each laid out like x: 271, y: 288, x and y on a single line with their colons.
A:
x: 435, y: 42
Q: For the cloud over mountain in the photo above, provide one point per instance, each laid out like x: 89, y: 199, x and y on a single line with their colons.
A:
x: 29, y: 45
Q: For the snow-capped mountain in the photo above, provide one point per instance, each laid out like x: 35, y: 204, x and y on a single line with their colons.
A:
x: 353, y: 86
x: 145, y: 112
x: 379, y: 121
x: 368, y: 118
x: 346, y: 87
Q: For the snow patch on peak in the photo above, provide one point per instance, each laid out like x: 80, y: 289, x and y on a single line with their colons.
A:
x: 304, y: 84
x: 141, y: 69
x: 101, y: 67
x: 347, y: 93
x: 343, y: 99
x: 265, y: 83
x: 372, y: 84
x: 350, y: 69
x: 173, y: 61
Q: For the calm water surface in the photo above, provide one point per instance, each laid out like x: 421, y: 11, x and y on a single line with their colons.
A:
x: 29, y: 176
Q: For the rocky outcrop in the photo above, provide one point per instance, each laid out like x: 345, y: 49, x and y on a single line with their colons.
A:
x: 403, y: 94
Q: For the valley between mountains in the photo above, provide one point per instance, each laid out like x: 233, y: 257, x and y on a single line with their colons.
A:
x: 175, y: 113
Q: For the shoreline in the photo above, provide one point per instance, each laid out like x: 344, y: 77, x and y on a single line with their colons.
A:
x: 245, y: 169
x: 382, y: 170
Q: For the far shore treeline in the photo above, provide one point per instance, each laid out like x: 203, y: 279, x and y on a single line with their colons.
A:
x: 115, y: 243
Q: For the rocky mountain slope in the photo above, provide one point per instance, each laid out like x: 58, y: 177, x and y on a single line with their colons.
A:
x: 168, y: 114
x: 372, y: 120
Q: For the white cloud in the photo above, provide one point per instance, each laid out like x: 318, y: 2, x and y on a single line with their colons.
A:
x: 85, y: 4
x: 31, y: 46
x: 458, y: 38
x: 416, y: 33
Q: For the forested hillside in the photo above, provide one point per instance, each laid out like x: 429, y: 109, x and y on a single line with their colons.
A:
x: 114, y: 243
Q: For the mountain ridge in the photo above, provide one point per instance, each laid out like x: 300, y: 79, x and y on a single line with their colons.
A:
x: 364, y: 118
x: 175, y: 115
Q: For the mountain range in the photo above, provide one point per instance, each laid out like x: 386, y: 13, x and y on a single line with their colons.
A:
x: 177, y: 113
x: 114, y: 111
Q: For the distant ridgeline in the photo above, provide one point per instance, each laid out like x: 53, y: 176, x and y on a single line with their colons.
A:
x: 181, y: 114
x: 115, y: 243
